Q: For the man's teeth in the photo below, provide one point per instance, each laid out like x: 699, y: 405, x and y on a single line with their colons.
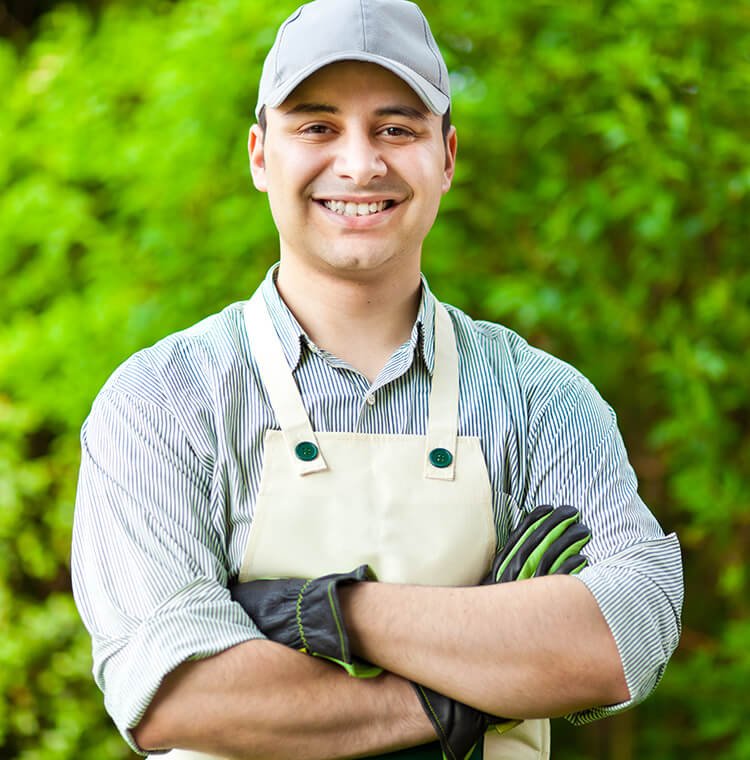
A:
x: 356, y: 209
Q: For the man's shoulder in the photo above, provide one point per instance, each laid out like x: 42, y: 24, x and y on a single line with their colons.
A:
x: 532, y: 381
x: 188, y: 361
x: 508, y: 353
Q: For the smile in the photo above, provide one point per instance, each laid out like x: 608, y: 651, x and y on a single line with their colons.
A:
x: 349, y: 208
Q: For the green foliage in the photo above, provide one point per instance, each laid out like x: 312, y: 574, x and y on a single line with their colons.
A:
x: 601, y: 208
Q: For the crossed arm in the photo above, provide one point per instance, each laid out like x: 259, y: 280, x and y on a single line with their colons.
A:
x: 262, y: 699
x: 528, y: 649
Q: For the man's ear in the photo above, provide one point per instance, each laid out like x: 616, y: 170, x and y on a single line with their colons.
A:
x: 450, y: 158
x: 257, y: 157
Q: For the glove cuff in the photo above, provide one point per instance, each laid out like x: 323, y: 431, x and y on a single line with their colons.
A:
x: 320, y: 622
x: 457, y: 726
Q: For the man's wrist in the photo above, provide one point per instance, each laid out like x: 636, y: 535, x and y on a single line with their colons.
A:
x: 416, y: 728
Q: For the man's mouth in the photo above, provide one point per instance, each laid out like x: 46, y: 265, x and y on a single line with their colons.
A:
x: 349, y: 208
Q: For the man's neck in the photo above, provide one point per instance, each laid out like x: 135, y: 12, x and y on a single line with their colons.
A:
x: 360, y: 321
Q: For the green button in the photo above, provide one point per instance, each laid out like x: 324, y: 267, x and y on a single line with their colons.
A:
x: 441, y: 458
x: 306, y: 451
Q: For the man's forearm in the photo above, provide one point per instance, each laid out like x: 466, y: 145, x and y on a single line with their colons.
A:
x: 536, y: 648
x: 260, y: 699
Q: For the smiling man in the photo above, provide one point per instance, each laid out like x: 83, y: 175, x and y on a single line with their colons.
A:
x: 355, y: 165
x: 383, y: 456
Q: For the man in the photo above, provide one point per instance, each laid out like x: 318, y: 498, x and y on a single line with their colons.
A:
x: 344, y: 417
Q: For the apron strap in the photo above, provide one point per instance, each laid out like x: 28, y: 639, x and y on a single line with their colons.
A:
x: 281, y: 388
x: 442, y: 423
x: 442, y: 420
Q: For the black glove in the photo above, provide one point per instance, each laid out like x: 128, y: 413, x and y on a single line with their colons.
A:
x: 305, y: 614
x: 546, y: 542
x: 458, y: 727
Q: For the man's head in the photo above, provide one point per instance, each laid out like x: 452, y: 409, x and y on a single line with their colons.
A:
x: 354, y: 145
x: 393, y: 34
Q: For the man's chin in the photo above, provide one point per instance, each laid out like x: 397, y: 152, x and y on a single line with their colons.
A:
x: 362, y: 264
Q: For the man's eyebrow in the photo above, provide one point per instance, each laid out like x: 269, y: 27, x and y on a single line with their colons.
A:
x: 311, y: 108
x: 407, y: 111
x: 395, y: 110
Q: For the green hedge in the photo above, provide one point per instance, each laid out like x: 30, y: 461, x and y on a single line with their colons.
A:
x: 601, y: 208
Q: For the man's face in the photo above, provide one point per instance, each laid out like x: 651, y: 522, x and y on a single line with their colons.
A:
x: 354, y: 165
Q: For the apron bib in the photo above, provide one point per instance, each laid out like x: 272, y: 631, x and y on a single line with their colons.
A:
x: 417, y: 509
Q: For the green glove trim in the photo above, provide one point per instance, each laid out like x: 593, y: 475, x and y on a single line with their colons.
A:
x: 505, y: 725
x: 333, y: 603
x: 356, y: 668
x: 298, y: 617
x: 516, y: 541
x: 542, y: 544
x: 566, y: 547
x: 546, y: 535
x: 572, y: 565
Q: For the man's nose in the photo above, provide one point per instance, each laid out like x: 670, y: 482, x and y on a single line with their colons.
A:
x: 359, y: 159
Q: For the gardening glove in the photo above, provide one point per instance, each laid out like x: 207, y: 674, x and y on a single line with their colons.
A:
x: 458, y: 727
x: 546, y: 542
x: 305, y: 614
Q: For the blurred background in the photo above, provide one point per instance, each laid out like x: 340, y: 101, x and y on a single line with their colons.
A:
x: 601, y: 209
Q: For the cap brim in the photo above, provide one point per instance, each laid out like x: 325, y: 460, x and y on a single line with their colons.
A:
x: 436, y: 100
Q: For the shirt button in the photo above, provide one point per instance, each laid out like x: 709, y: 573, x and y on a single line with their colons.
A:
x: 370, y: 399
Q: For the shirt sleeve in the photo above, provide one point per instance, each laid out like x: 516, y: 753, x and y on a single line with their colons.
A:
x: 149, y: 573
x: 577, y: 457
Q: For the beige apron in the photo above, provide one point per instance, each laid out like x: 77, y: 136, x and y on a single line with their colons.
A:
x: 416, y: 509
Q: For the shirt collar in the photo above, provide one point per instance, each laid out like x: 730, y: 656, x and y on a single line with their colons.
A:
x: 425, y: 325
x: 288, y: 329
x: 292, y: 335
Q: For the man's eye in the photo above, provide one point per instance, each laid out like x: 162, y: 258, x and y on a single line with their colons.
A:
x: 315, y: 129
x: 397, y: 132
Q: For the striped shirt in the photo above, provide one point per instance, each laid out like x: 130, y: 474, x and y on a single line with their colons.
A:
x: 171, y: 462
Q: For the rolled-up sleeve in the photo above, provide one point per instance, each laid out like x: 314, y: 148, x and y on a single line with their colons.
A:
x: 639, y: 591
x: 578, y: 457
x: 149, y: 571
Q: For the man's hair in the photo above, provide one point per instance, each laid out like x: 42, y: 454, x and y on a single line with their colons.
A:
x: 446, y: 121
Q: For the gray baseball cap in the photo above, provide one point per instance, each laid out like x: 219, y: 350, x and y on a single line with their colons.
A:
x: 391, y: 33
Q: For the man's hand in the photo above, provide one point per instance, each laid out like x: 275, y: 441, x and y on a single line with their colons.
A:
x: 458, y: 727
x: 305, y: 614
x: 546, y: 542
